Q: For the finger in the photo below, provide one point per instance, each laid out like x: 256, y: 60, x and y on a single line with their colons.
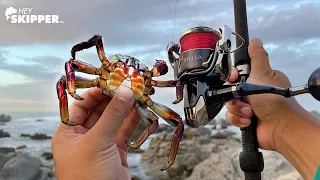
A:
x: 127, y: 129
x: 260, y: 65
x: 95, y: 114
x: 234, y: 75
x: 239, y: 108
x: 78, y: 111
x: 237, y: 120
x: 117, y: 110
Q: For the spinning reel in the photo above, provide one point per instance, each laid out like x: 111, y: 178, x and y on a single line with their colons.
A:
x: 204, y: 66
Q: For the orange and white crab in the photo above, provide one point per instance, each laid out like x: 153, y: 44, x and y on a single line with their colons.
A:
x: 114, y: 72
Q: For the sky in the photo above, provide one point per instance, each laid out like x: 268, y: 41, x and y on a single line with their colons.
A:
x: 32, y: 56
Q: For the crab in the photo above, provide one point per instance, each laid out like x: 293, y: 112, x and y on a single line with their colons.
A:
x: 114, y: 72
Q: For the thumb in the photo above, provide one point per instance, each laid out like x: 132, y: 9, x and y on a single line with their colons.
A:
x: 260, y: 65
x: 115, y: 113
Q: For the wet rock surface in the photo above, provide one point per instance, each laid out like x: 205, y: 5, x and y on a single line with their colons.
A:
x: 47, y: 155
x: 4, y: 134
x: 5, y: 118
x: 36, y: 136
x: 6, y: 150
x: 24, y: 166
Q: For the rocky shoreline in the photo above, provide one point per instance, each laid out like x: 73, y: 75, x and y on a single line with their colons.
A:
x: 202, y: 154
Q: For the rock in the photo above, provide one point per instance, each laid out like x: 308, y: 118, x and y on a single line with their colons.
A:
x: 135, y: 178
x: 294, y: 175
x: 130, y: 150
x: 45, y: 174
x: 223, y: 135
x: 25, y: 135
x: 37, y: 136
x: 163, y: 128
x: 225, y: 165
x: 6, y: 150
x: 191, y: 152
x: 190, y: 133
x: 39, y: 120
x: 5, y: 118
x: 47, y: 155
x: 4, y: 134
x: 22, y: 167
x: 3, y: 159
x: 21, y: 147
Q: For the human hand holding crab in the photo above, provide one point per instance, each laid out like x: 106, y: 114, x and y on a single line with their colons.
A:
x: 96, y: 149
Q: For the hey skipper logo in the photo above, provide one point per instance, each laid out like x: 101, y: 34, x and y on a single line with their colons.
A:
x: 25, y: 16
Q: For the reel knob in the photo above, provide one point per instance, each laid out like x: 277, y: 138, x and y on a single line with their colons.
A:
x: 314, y: 84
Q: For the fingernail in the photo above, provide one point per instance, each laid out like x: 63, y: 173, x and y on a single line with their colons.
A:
x: 245, y: 121
x: 245, y: 111
x: 125, y: 94
x: 258, y: 43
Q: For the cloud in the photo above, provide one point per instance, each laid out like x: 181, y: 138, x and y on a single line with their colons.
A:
x: 287, y: 26
x: 143, y: 28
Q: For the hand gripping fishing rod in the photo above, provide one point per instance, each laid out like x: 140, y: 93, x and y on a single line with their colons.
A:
x: 251, y: 160
x: 202, y: 68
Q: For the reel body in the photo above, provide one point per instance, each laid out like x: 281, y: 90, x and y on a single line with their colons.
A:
x: 204, y: 63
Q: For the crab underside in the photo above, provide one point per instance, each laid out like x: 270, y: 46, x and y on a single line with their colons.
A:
x: 111, y: 75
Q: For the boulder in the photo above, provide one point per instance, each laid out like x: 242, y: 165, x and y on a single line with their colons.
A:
x: 225, y: 165
x: 5, y: 118
x: 22, y: 167
x: 6, y: 150
x: 4, y: 134
x: 294, y: 175
x: 47, y: 155
x: 3, y: 159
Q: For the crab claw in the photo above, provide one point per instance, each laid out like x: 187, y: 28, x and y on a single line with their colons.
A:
x: 159, y: 68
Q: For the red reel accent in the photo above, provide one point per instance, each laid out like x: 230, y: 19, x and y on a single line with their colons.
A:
x: 206, y: 40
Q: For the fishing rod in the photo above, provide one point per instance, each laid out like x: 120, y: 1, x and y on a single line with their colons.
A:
x: 250, y: 159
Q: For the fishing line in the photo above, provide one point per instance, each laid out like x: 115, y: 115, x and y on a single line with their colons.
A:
x: 174, y: 20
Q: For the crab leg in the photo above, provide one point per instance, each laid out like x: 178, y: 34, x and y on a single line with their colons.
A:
x: 173, y: 119
x: 152, y: 119
x: 171, y: 83
x: 96, y: 40
x: 63, y: 99
x: 74, y: 65
x: 179, y: 93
